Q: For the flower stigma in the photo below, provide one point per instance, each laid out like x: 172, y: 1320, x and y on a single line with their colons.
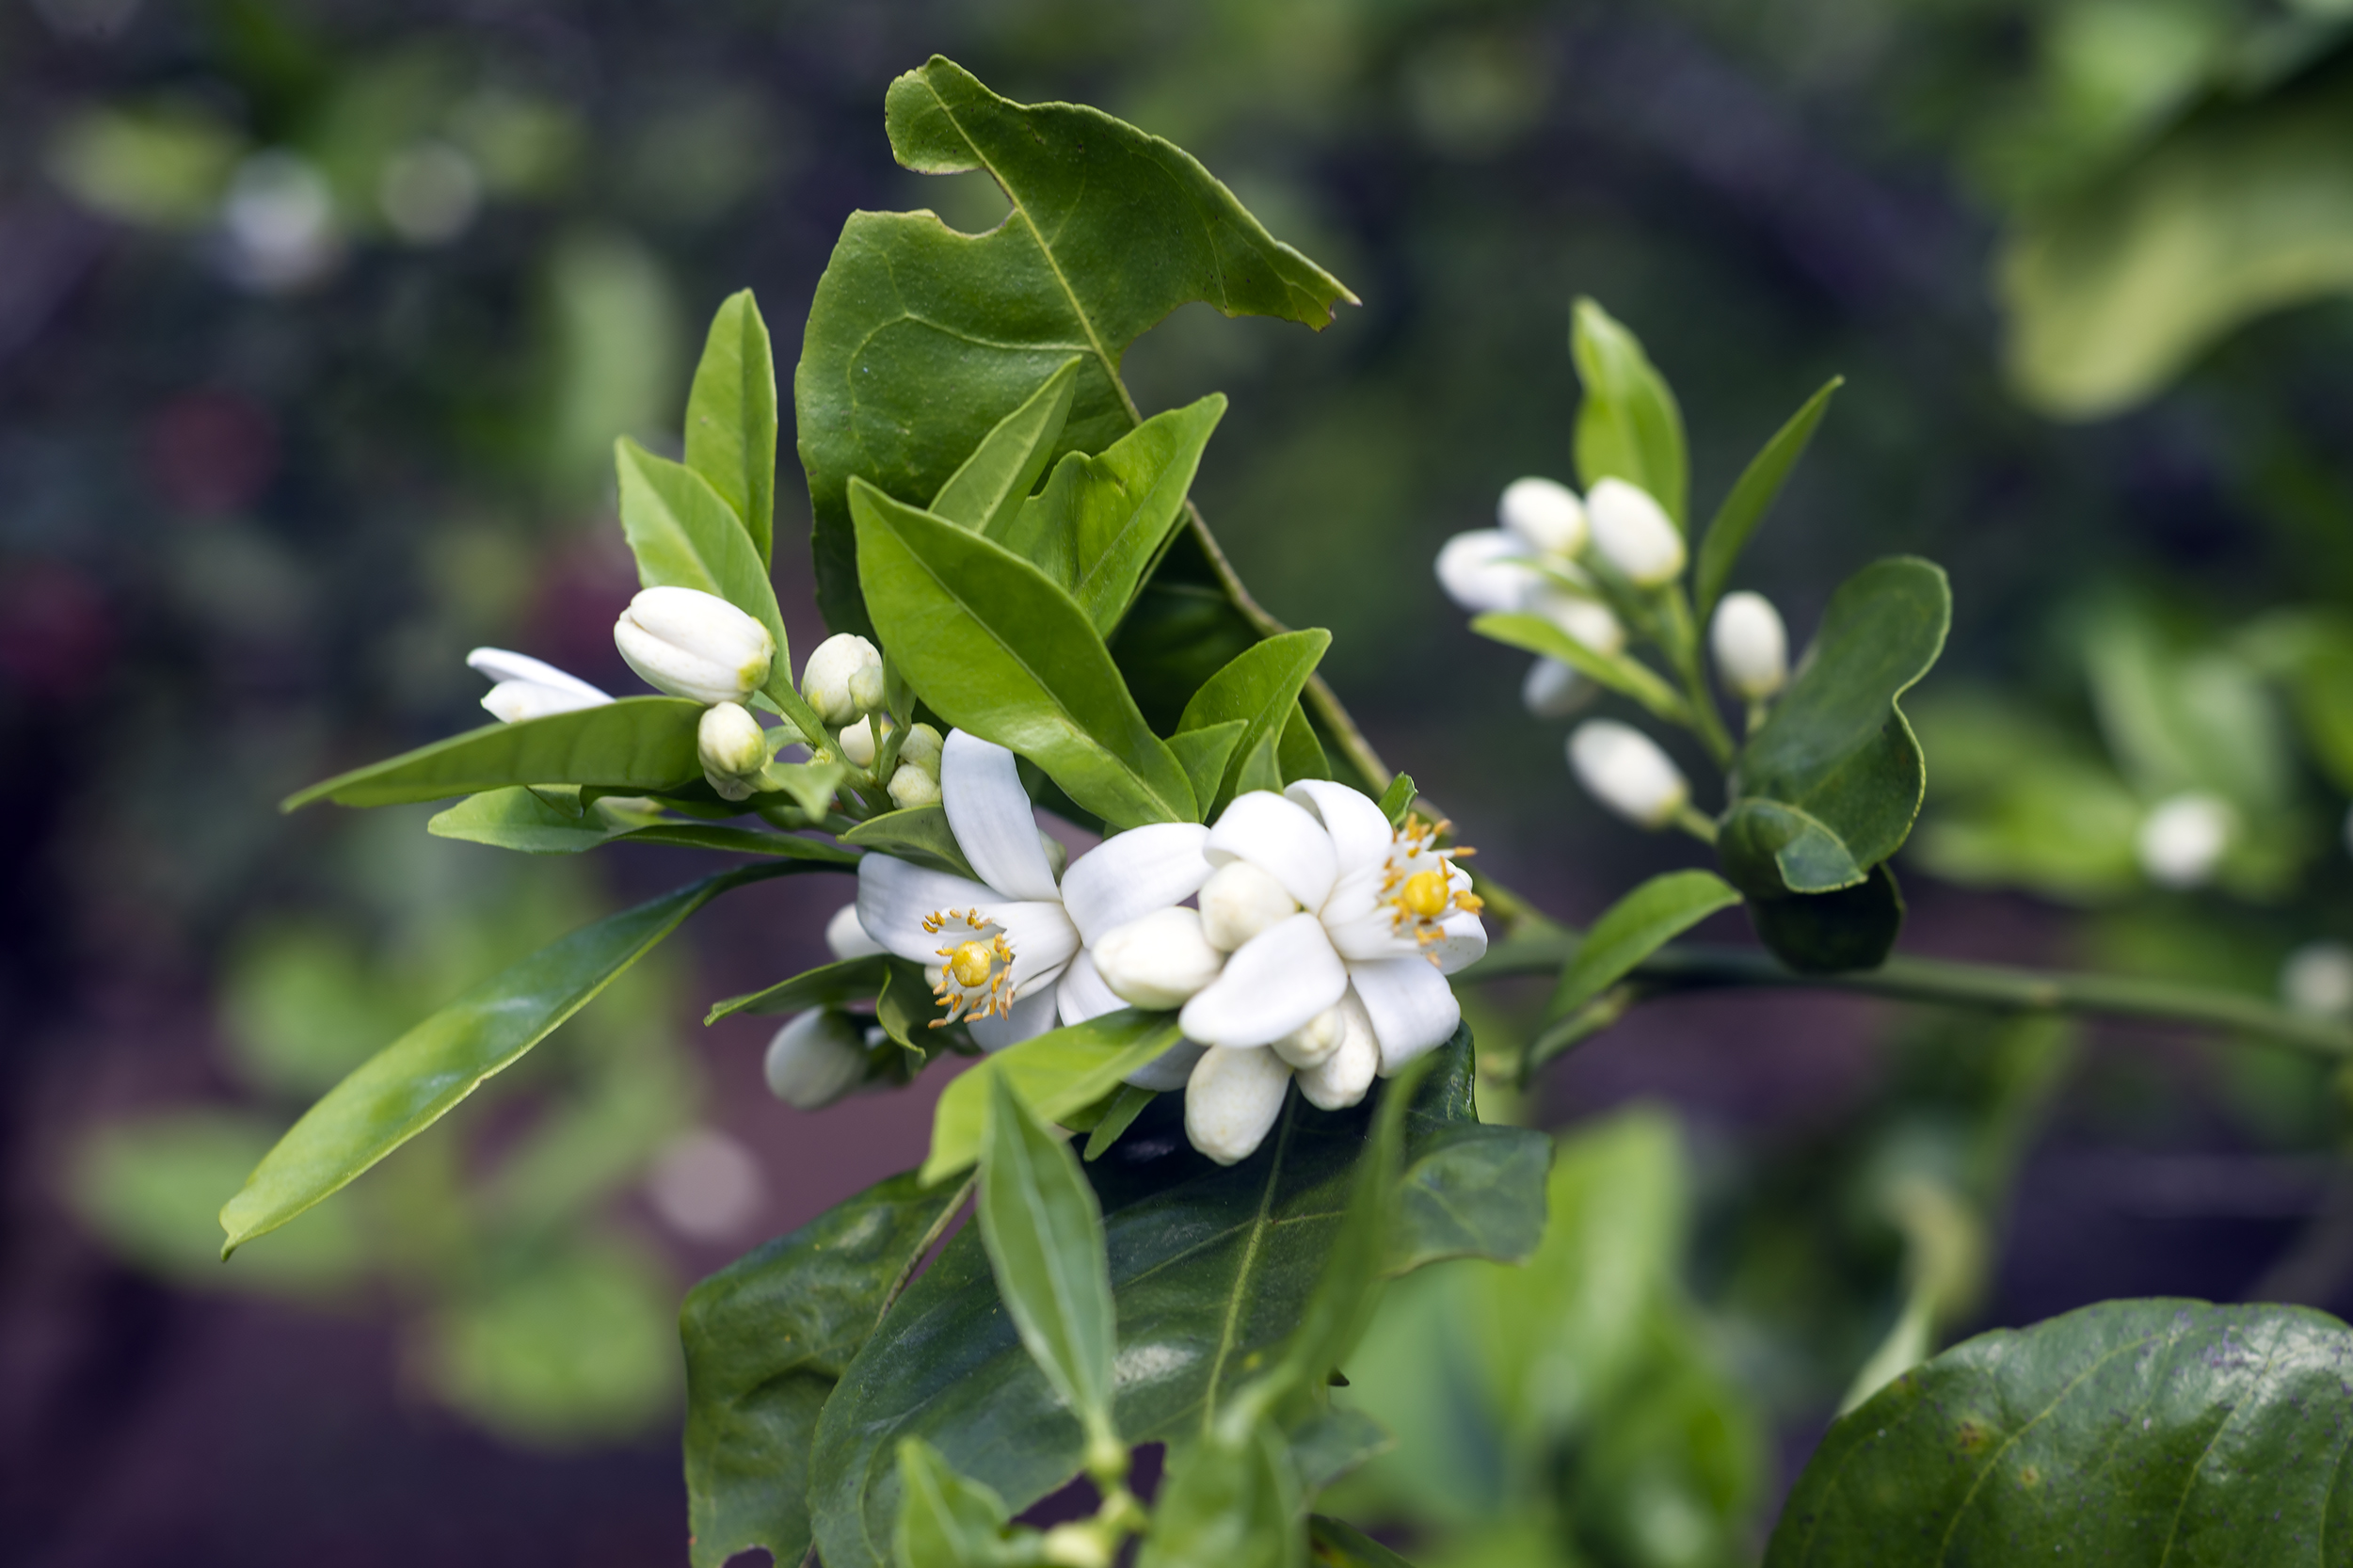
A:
x: 1418, y: 883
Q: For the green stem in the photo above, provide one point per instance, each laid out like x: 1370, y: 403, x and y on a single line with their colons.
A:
x: 1682, y: 644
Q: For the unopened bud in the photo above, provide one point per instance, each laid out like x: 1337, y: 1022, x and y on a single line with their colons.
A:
x: 923, y: 748
x: 695, y: 644
x: 1232, y: 1098
x: 1750, y: 645
x: 1625, y: 770
x: 846, y: 937
x: 857, y: 740
x: 1312, y: 1042
x: 530, y: 688
x: 1554, y: 690
x: 1586, y: 620
x: 1634, y: 534
x: 2183, y: 839
x: 1240, y: 900
x: 912, y: 787
x: 1157, y: 962
x: 1546, y: 513
x: 815, y: 1059
x: 1341, y: 1079
x: 732, y: 748
x: 831, y: 678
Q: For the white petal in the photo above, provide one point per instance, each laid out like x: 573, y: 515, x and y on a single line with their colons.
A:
x: 846, y: 938
x: 513, y: 701
x: 1464, y: 944
x: 1031, y: 1015
x: 1478, y: 571
x: 501, y: 663
x: 1170, y: 1070
x: 1239, y: 901
x: 1369, y: 934
x: 1361, y: 834
x: 1340, y: 1079
x: 1278, y: 979
x: 1158, y: 962
x: 1280, y: 837
x: 1042, y: 938
x: 893, y: 896
x: 1412, y: 1008
x: 1129, y: 875
x: 1231, y: 1101
x: 1082, y: 993
x: 980, y: 784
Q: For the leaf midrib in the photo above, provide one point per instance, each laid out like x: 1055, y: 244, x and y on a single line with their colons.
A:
x: 1258, y: 1227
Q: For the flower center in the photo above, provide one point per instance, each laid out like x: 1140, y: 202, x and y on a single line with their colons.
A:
x: 974, y: 973
x: 1418, y: 883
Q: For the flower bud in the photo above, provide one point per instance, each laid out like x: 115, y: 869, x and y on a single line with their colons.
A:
x: 912, y: 787
x: 1586, y: 620
x: 1554, y: 690
x: 1238, y: 901
x: 1232, y: 1099
x: 2182, y: 840
x: 1750, y: 646
x: 815, y: 1059
x: 1546, y: 513
x: 831, y: 678
x: 732, y: 748
x: 1634, y: 534
x: 1157, y: 962
x: 857, y: 740
x: 1341, y: 1079
x: 1483, y: 570
x: 530, y: 688
x: 695, y: 644
x: 845, y: 937
x: 869, y: 689
x: 922, y: 747
x: 1625, y: 770
x: 1314, y: 1041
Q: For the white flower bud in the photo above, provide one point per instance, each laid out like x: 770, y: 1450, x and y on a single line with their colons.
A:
x: 1546, y: 513
x: 2182, y: 840
x: 829, y: 680
x: 2317, y: 980
x: 1752, y: 647
x: 1238, y: 901
x: 869, y: 689
x: 815, y: 1059
x: 846, y: 938
x: 732, y: 748
x: 1483, y: 570
x: 1625, y: 770
x: 530, y: 688
x: 695, y: 644
x: 1341, y: 1079
x: 1634, y: 534
x: 923, y: 748
x: 1586, y: 620
x: 1157, y: 962
x: 912, y: 787
x: 1554, y: 690
x: 1232, y: 1099
x: 1314, y: 1041
x: 857, y: 740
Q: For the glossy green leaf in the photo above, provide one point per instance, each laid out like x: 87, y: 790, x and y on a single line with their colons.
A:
x: 986, y: 493
x: 1635, y: 927
x: 1398, y: 799
x: 920, y: 834
x: 1100, y: 521
x: 2139, y: 1433
x: 1628, y: 425
x: 1620, y: 672
x: 1206, y: 755
x: 732, y: 419
x: 522, y: 820
x: 1338, y: 1545
x: 1854, y: 928
x: 1260, y: 687
x: 639, y: 745
x: 922, y: 339
x: 828, y: 986
x: 415, y: 1081
x: 1752, y: 496
x: 995, y: 648
x: 766, y: 1337
x: 685, y: 535
x: 1333, y: 1442
x: 1044, y: 1236
x: 945, y: 1520
x: 1830, y: 786
x: 1234, y: 1504
x: 1299, y: 755
x: 810, y: 785
x: 1478, y: 1191
x: 1055, y: 1073
x: 1126, y: 1104
x: 908, y: 1009
x: 1211, y: 1264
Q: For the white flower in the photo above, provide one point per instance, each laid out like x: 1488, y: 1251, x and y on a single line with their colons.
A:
x: 2182, y: 840
x: 1004, y: 952
x: 843, y: 671
x: 1351, y: 979
x: 1625, y: 770
x: 815, y: 1059
x: 1634, y: 534
x: 1750, y: 646
x: 732, y: 748
x: 528, y: 688
x: 695, y: 644
x: 1529, y: 564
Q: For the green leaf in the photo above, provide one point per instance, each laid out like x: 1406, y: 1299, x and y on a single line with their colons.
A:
x: 996, y: 649
x: 1299, y: 755
x: 1854, y: 928
x: 1205, y: 754
x: 522, y: 820
x: 829, y: 985
x: 922, y: 339
x: 1759, y: 484
x: 1261, y: 686
x: 1343, y: 1546
x: 920, y: 834
x: 908, y: 1009
x: 685, y: 535
x: 1044, y: 1236
x: 984, y: 494
x: 1232, y: 1504
x: 1620, y: 672
x: 415, y: 1081
x: 1628, y: 427
x: 637, y: 746
x: 766, y: 1337
x: 1398, y: 799
x: 731, y: 419
x: 1635, y: 927
x: 1100, y: 521
x: 1478, y: 1192
x: 1055, y: 1074
x: 1211, y: 1266
x: 811, y: 785
x: 945, y: 1520
x: 2134, y: 1433
x: 1333, y: 1442
x: 1125, y: 1105
x: 1830, y: 786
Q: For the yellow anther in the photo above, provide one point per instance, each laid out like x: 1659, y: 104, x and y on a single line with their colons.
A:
x: 1425, y: 895
x: 971, y: 963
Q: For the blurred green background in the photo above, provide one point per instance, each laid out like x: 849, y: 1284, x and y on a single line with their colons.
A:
x: 317, y: 323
